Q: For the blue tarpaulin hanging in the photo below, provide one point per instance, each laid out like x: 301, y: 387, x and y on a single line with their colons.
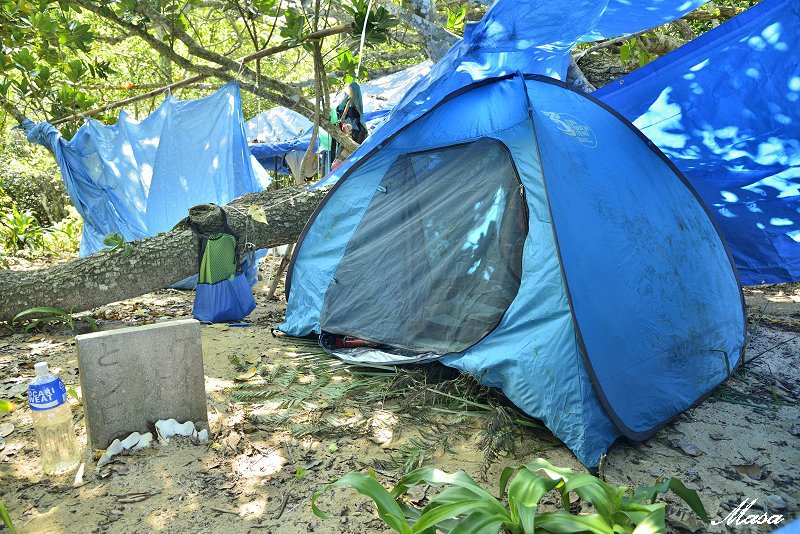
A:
x: 140, y: 178
x: 725, y: 108
x: 528, y: 36
x: 279, y: 131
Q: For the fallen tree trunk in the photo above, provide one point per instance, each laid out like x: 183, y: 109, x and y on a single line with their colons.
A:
x: 147, y: 265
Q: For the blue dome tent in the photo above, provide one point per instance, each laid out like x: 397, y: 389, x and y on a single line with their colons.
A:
x: 529, y: 235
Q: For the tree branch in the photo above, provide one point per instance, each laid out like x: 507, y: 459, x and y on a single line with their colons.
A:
x: 438, y: 40
x: 718, y: 13
x: 12, y: 110
x: 153, y: 263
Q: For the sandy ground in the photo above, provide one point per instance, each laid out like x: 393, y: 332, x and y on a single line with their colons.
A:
x: 742, y: 442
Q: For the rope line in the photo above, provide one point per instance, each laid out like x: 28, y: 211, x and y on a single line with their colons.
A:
x: 363, y: 38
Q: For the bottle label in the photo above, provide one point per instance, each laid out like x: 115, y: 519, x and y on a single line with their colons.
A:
x: 46, y: 396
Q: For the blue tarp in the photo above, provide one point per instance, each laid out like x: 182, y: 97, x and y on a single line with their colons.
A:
x: 725, y: 108
x: 278, y: 131
x: 140, y: 178
x: 529, y: 36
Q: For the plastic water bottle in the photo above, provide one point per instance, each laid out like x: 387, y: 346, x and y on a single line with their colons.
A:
x: 52, y: 421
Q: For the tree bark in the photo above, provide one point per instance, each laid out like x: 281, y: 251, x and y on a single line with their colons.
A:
x: 437, y: 40
x: 154, y: 263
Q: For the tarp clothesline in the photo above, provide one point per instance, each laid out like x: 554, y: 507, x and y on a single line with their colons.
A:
x: 139, y: 178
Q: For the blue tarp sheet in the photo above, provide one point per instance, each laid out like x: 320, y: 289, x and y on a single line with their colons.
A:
x: 529, y: 36
x: 274, y: 133
x: 725, y: 108
x: 140, y: 178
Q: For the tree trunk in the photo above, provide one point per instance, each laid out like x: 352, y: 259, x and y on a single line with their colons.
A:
x: 154, y: 263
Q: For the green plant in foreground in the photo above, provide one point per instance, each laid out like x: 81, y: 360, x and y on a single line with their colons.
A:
x: 6, y: 519
x: 464, y: 507
x: 45, y: 315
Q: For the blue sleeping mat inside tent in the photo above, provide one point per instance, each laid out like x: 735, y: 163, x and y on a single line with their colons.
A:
x: 725, y: 108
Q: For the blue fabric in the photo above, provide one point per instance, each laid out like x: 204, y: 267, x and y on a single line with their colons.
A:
x: 551, y: 354
x: 557, y: 339
x: 274, y: 133
x: 529, y: 36
x: 634, y: 239
x: 139, y: 179
x: 725, y: 108
x: 228, y: 300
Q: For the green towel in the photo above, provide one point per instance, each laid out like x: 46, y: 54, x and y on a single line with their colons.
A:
x: 219, y: 259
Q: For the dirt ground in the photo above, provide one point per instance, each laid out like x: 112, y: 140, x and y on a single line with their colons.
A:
x: 743, y: 442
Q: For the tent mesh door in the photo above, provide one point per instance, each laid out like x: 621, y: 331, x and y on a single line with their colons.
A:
x: 437, y: 257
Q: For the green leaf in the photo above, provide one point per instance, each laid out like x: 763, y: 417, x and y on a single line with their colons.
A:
x: 388, y: 509
x: 435, y: 477
x: 562, y: 522
x: 113, y: 240
x: 525, y: 491
x: 592, y: 489
x: 256, y: 213
x: 92, y: 323
x: 75, y: 70
x: 6, y: 519
x: 479, y: 522
x: 24, y: 60
x: 690, y: 497
x: 505, y: 476
x: 72, y: 393
x: 653, y: 523
x: 45, y: 310
x: 448, y: 511
x: 7, y: 406
x: 635, y: 513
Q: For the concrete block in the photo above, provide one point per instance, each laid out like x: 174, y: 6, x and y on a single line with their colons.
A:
x: 132, y: 377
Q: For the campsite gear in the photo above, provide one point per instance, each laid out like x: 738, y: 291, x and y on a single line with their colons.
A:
x: 222, y: 293
x: 345, y: 342
x: 524, y: 233
x: 278, y: 131
x: 135, y: 178
x: 725, y: 108
x: 52, y: 422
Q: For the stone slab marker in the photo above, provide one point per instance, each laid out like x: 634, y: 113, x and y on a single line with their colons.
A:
x: 132, y: 377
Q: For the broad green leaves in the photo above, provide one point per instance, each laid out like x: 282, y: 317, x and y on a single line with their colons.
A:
x: 378, y: 22
x: 463, y: 506
x: 44, y: 46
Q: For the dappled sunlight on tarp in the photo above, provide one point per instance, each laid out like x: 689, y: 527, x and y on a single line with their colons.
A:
x: 725, y: 109
x: 140, y: 178
x: 529, y: 36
